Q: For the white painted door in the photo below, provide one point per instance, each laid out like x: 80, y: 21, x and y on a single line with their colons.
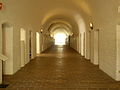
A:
x: 23, y: 46
x: 7, y: 33
x: 94, y: 46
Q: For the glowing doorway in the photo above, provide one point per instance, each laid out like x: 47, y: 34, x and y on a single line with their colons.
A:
x: 60, y: 39
x: 37, y: 43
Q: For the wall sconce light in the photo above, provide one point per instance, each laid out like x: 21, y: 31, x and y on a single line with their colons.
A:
x: 41, y: 30
x: 1, y: 5
x: 91, y: 25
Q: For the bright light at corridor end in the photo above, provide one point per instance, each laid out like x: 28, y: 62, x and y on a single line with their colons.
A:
x: 60, y: 39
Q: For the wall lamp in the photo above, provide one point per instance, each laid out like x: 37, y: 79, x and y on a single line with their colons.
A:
x: 91, y: 25
x: 1, y: 6
x: 41, y: 30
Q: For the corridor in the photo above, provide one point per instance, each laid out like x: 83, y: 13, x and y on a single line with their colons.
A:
x: 60, y: 68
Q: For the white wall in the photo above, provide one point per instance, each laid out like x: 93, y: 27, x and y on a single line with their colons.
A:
x: 87, y: 53
x: 33, y: 41
x: 16, y: 50
x: 27, y: 59
x: 34, y: 45
x: 0, y: 52
x: 79, y: 45
x: 73, y: 42
x: 45, y: 42
x: 104, y: 15
x: 118, y: 52
x: 6, y: 15
x: 96, y: 45
x: 105, y: 20
x: 92, y: 46
x: 77, y: 42
x: 0, y: 71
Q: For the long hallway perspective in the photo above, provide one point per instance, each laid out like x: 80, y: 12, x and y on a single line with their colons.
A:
x: 60, y: 68
x: 88, y: 30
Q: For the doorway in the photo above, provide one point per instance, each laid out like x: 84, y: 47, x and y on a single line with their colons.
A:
x: 23, y: 46
x: 37, y: 43
x: 94, y: 46
x: 7, y: 43
x: 30, y: 45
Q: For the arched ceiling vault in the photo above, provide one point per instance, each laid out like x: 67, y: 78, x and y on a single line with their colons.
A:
x: 70, y: 19
x: 60, y: 22
x: 60, y: 26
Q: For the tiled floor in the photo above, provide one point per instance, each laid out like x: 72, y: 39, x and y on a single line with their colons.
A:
x: 60, y: 68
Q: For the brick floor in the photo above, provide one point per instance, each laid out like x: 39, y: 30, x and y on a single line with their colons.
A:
x: 60, y: 68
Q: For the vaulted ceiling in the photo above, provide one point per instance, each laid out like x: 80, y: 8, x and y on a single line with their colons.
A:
x: 45, y: 14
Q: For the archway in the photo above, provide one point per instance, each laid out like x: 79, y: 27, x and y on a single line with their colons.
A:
x: 60, y: 36
x: 75, y: 24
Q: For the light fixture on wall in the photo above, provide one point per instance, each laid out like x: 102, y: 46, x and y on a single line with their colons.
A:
x: 1, y: 5
x: 41, y: 30
x: 91, y: 25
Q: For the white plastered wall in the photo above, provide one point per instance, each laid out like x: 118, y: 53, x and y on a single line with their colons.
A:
x: 16, y: 49
x: 16, y: 64
x: 79, y: 41
x: 105, y: 21
x: 45, y: 42
x: 0, y: 52
x: 20, y: 19
x: 104, y: 15
x: 73, y: 42
x: 33, y: 44
x: 27, y: 47
x: 118, y: 52
x: 87, y: 53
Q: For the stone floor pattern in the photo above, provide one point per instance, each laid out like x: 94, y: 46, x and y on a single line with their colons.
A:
x: 60, y: 68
